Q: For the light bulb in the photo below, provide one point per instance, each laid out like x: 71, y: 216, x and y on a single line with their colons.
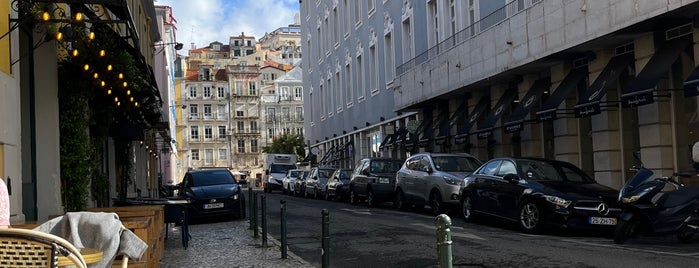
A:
x: 75, y: 53
x: 102, y: 53
x: 118, y: 103
x: 86, y: 67
x: 128, y: 92
x: 109, y: 67
x: 109, y: 92
x: 116, y: 99
x: 59, y: 36
x: 96, y: 75
x: 103, y: 84
x: 79, y: 16
x: 126, y: 84
x: 121, y: 76
x: 45, y: 16
x: 135, y: 104
x: 91, y: 36
x: 131, y: 99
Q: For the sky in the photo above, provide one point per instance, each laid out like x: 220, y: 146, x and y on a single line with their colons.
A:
x: 206, y: 21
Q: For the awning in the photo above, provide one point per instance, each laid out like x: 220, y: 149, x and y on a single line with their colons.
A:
x: 326, y: 158
x: 564, y: 89
x: 691, y: 85
x: 521, y: 111
x: 477, y: 113
x: 400, y: 135
x: 640, y: 92
x: 589, y: 103
x: 485, y: 130
x: 387, y: 141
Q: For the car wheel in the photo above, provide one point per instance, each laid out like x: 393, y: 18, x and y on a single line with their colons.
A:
x: 467, y: 209
x: 624, y: 230
x: 353, y: 199
x: 686, y: 234
x: 400, y: 203
x: 436, y: 203
x: 530, y: 217
x: 371, y: 199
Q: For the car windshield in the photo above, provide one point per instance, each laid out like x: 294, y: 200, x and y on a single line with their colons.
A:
x: 454, y: 163
x: 212, y: 177
x: 293, y: 173
x: 553, y: 171
x: 280, y: 168
x: 385, y: 166
x: 325, y: 173
x: 345, y: 174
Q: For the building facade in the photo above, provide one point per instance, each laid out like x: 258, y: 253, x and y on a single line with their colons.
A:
x: 282, y: 107
x: 583, y: 82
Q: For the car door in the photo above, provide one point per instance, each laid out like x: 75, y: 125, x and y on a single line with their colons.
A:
x: 508, y: 192
x: 359, y: 177
x: 312, y: 181
x: 423, y: 179
x: 483, y: 188
x: 406, y: 177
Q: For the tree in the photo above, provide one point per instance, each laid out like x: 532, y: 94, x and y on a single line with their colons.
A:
x: 287, y: 144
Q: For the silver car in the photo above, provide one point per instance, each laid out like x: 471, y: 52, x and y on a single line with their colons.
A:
x: 288, y: 180
x: 433, y: 179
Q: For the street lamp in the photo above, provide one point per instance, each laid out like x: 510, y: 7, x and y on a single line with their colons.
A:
x: 178, y: 45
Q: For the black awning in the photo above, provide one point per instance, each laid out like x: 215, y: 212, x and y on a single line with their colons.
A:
x: 589, y: 103
x: 640, y: 92
x: 564, y: 89
x: 474, y: 115
x: 388, y: 140
x: 505, y: 101
x: 327, y: 155
x: 400, y: 135
x: 521, y: 111
x: 691, y: 85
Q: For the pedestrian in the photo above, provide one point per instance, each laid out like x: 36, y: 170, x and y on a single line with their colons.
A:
x: 4, y: 205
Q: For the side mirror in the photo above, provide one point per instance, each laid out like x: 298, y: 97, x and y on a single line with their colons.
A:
x: 267, y: 172
x: 512, y: 178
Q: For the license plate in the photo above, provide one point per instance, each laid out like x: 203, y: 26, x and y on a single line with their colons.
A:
x: 213, y: 205
x: 602, y: 221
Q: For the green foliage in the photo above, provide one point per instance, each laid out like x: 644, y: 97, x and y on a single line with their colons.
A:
x: 287, y: 144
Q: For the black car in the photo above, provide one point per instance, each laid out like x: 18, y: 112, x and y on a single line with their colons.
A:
x: 537, y: 193
x: 374, y: 179
x: 212, y: 192
x: 338, y: 184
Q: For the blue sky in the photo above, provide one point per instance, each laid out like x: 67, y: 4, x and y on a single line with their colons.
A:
x: 205, y: 21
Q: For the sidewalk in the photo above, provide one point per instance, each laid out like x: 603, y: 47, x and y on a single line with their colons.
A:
x: 224, y: 244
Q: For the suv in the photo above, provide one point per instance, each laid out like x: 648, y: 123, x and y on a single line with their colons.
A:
x: 433, y: 179
x: 374, y: 180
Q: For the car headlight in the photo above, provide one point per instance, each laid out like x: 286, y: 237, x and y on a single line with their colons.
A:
x: 235, y: 197
x: 452, y: 181
x: 631, y: 199
x: 384, y: 180
x: 558, y: 201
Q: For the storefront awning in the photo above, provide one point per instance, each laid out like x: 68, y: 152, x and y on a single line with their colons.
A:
x: 387, y: 141
x: 485, y: 130
x: 477, y: 113
x: 641, y: 90
x: 521, y: 111
x: 564, y: 89
x: 400, y: 135
x: 589, y: 103
x: 691, y: 85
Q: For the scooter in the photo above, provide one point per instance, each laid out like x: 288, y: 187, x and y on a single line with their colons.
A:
x: 648, y: 210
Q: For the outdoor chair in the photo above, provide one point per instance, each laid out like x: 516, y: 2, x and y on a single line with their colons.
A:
x: 30, y: 248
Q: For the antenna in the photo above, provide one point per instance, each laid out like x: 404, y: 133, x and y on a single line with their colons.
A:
x: 191, y: 36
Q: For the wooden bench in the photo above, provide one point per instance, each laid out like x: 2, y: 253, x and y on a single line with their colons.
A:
x: 147, y: 223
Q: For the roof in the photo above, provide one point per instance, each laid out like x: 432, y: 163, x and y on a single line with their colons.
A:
x: 221, y: 75
x: 192, y: 75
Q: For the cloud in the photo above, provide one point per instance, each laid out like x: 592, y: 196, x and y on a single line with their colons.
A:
x: 206, y: 21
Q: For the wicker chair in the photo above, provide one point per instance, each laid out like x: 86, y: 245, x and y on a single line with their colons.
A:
x: 29, y: 248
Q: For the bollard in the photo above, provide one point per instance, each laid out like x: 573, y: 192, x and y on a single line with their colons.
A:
x: 325, y: 237
x: 250, y: 206
x: 263, y: 200
x: 254, y: 215
x: 443, y: 223
x: 283, y: 234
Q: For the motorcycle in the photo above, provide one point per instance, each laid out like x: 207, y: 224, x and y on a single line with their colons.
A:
x: 648, y: 210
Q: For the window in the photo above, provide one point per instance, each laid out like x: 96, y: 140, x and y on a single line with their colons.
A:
x: 252, y: 88
x: 389, y: 60
x: 348, y: 16
x: 284, y: 94
x: 271, y: 116
x: 506, y: 167
x: 270, y: 133
x: 221, y: 92
x: 371, y: 6
x: 285, y: 114
x: 239, y: 87
x: 241, y: 146
x: 299, y: 131
x: 338, y: 93
x: 249, y: 52
x: 240, y: 126
x: 357, y: 12
x: 221, y: 132
x: 253, y: 126
x: 407, y: 40
x: 194, y: 133
x: 489, y: 168
x: 222, y: 154
x: 195, y: 154
x: 360, y: 77
x: 209, y: 156
x: 336, y: 26
x: 236, y: 53
x: 348, y: 84
x: 193, y: 92
x: 221, y: 111
x: 253, y: 146
x: 207, y: 110
x: 207, y: 92
x: 298, y: 93
x: 433, y: 23
x: 239, y: 113
x: 193, y: 111
x: 299, y: 113
x: 373, y: 75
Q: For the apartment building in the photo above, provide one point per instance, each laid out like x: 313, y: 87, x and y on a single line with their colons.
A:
x: 282, y: 107
x: 579, y: 81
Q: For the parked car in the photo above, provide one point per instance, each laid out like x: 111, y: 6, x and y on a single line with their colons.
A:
x: 316, y: 181
x: 433, y: 179
x: 338, y: 184
x: 374, y: 179
x: 299, y: 185
x: 288, y: 180
x: 212, y: 192
x: 536, y: 193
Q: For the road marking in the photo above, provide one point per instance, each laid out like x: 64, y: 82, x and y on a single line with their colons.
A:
x: 358, y: 211
x: 621, y: 247
x: 457, y: 234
